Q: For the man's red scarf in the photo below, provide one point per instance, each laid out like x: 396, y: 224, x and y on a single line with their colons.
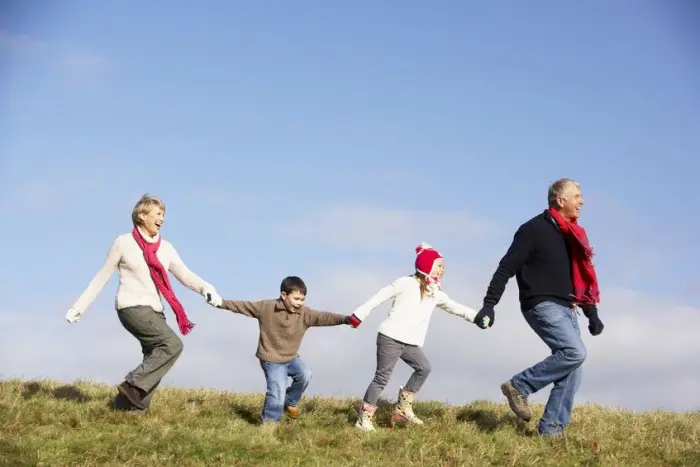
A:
x: 161, y: 280
x: 586, y: 290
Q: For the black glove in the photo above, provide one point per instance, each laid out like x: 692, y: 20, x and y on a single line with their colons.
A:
x: 595, y: 325
x: 485, y: 317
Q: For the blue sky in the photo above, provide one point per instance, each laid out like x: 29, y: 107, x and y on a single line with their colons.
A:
x: 314, y: 137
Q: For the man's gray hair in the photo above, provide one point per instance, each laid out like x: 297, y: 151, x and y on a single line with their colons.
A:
x: 558, y: 189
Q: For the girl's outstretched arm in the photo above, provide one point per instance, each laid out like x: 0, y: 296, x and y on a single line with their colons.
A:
x: 446, y: 303
x: 384, y: 294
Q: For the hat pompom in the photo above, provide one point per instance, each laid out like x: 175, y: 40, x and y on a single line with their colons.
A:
x: 422, y: 247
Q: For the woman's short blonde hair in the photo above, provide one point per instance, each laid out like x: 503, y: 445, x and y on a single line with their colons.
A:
x: 144, y: 206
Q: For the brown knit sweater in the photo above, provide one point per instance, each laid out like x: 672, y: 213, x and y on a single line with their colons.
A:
x: 281, y: 331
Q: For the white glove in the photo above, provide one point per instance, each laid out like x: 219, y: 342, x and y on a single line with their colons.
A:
x: 213, y: 298
x: 73, y: 316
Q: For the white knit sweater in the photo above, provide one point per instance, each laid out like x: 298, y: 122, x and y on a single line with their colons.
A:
x: 409, y: 316
x: 136, y: 288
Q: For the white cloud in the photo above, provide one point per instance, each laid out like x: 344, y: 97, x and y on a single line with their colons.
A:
x: 73, y: 61
x: 646, y: 358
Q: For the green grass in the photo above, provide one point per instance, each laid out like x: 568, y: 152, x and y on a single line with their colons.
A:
x: 48, y: 423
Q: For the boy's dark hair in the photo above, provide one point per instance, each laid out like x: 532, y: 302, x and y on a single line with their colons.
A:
x: 293, y: 284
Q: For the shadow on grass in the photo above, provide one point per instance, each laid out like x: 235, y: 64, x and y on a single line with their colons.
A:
x: 67, y: 392
x: 246, y: 413
x: 488, y: 421
x: 121, y: 404
x: 349, y: 412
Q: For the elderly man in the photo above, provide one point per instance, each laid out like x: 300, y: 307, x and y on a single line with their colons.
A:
x: 551, y: 259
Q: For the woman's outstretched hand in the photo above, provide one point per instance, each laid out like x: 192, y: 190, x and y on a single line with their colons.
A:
x: 73, y: 316
x: 214, y: 299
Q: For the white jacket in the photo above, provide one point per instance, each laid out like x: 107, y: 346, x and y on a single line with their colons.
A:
x: 136, y: 288
x: 409, y: 316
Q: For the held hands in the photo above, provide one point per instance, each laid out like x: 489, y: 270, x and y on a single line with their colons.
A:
x: 213, y: 298
x: 353, y: 321
x: 485, y: 317
x: 595, y: 325
x: 73, y: 316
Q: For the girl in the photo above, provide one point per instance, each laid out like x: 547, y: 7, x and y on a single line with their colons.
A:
x: 402, y: 333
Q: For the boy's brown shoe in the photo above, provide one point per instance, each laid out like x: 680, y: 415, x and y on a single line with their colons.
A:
x: 293, y: 411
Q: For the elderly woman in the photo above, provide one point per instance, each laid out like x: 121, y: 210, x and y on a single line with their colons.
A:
x: 143, y: 259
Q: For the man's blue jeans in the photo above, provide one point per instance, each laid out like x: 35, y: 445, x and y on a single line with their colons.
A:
x: 278, y: 394
x: 558, y: 327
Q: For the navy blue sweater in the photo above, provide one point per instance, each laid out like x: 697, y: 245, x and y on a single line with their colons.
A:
x: 539, y: 258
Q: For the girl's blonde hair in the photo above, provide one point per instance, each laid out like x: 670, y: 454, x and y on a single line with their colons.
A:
x: 144, y: 206
x: 423, y: 284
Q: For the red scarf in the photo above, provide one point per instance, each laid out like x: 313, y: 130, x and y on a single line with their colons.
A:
x: 161, y: 280
x: 586, y: 290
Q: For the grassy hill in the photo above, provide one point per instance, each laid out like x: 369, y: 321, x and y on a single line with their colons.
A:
x: 47, y: 423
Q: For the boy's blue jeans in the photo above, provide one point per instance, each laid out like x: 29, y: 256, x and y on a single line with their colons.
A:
x: 558, y: 327
x: 278, y: 394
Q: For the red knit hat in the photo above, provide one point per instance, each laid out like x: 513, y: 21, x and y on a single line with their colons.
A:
x: 425, y: 257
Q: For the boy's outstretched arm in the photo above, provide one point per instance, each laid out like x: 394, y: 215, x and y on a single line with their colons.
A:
x: 250, y: 309
x: 446, y: 303
x: 323, y: 318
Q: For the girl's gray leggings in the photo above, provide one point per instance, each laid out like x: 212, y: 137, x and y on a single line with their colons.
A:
x: 389, y: 351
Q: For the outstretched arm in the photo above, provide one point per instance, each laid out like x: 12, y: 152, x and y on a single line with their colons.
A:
x: 323, y: 318
x: 100, y: 280
x: 182, y: 273
x: 250, y: 309
x: 511, y: 262
x: 384, y: 294
x: 446, y: 303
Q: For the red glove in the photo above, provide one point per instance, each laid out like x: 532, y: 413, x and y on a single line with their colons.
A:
x: 353, y: 321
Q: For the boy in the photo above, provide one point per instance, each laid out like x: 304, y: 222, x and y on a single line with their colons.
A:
x: 283, y: 323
